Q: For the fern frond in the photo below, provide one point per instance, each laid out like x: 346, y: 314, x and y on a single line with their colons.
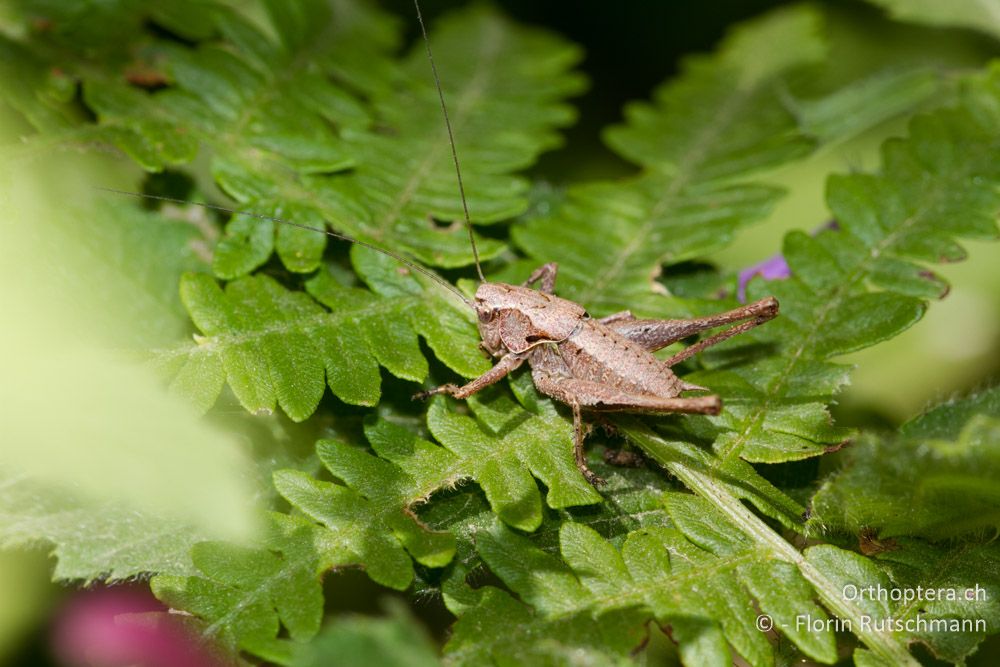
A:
x: 275, y: 346
x: 599, y: 598
x: 245, y: 595
x: 42, y: 97
x: 828, y: 569
x: 504, y: 85
x: 631, y: 500
x: 710, y: 582
x: 260, y: 99
x: 373, y: 513
x: 865, y: 282
x: 265, y: 107
x: 938, y: 480
x: 695, y: 190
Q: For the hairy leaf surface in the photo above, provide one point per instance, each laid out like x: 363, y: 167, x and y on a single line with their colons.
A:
x: 892, y: 592
x: 274, y: 346
x: 700, y: 582
x: 372, y: 514
x: 92, y: 539
x: 937, y: 480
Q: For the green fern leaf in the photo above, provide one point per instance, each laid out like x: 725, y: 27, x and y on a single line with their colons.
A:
x: 935, y: 186
x: 504, y: 85
x: 506, y: 449
x: 263, y: 106
x: 274, y: 346
x: 265, y: 110
x: 258, y: 101
x: 370, y: 518
x: 372, y: 514
x: 937, y: 481
x: 711, y: 583
x: 722, y: 509
x: 694, y: 192
x: 733, y: 477
x: 867, y: 102
x: 632, y: 500
x: 599, y: 598
x: 245, y: 595
x: 41, y: 96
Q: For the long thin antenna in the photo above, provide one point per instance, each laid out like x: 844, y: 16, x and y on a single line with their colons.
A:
x: 344, y: 237
x: 451, y: 140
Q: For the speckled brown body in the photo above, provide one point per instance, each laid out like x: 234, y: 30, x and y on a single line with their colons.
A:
x: 599, y: 354
x: 593, y: 364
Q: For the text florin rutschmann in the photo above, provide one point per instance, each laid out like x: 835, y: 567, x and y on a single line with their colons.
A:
x: 918, y: 624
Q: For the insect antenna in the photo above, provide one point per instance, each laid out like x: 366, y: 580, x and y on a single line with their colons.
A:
x: 344, y: 237
x: 451, y: 141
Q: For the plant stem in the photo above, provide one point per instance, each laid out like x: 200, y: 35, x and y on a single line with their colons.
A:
x: 700, y: 480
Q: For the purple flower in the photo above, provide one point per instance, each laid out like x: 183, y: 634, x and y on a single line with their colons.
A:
x: 774, y: 268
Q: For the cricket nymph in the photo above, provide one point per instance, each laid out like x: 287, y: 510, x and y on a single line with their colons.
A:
x: 594, y: 365
x: 597, y: 365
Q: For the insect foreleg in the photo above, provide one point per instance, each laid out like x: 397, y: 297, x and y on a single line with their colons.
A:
x: 546, y: 273
x: 507, y: 363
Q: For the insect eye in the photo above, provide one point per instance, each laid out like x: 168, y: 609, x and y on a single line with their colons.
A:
x: 487, y: 315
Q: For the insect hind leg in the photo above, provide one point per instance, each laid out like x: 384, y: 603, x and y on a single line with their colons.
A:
x: 578, y: 455
x: 593, y: 396
x: 656, y: 334
x: 761, y: 311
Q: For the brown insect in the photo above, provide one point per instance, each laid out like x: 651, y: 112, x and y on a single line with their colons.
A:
x: 599, y: 365
x: 593, y: 365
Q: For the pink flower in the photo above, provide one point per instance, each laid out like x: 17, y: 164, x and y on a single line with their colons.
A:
x: 124, y: 625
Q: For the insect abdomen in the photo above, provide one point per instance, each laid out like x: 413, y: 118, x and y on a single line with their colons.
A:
x: 599, y: 354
